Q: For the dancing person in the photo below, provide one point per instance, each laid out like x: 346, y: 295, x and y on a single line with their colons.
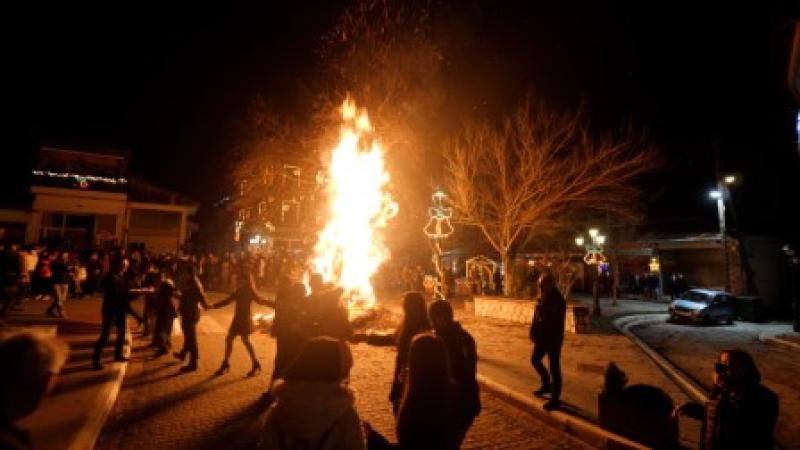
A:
x: 149, y: 312
x: 165, y: 313
x: 117, y: 296
x: 29, y: 364
x: 191, y: 297
x: 242, y: 324
x: 740, y: 412
x: 463, y: 357
x: 313, y: 407
x: 547, y: 334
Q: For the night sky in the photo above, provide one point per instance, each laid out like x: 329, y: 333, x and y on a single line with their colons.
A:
x: 170, y: 87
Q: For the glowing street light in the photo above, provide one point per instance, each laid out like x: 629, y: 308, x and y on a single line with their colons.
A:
x: 594, y: 257
x: 720, y: 194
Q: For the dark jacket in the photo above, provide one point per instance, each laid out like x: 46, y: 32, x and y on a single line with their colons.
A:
x: 94, y: 269
x: 429, y: 425
x: 163, y: 300
x: 327, y: 317
x: 744, y: 419
x: 9, y: 269
x: 115, y: 295
x: 60, y: 272
x: 191, y: 297
x: 549, y: 314
x: 463, y: 364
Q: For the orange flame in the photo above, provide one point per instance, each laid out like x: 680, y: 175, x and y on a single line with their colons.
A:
x: 350, y: 248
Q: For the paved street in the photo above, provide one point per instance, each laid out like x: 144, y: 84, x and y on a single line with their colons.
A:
x: 159, y: 408
x: 695, y: 348
x: 504, y: 350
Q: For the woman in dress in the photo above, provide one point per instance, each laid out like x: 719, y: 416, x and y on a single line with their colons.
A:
x: 242, y: 324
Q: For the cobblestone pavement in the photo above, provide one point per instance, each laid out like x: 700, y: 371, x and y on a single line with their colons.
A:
x: 158, y: 408
x: 504, y: 351
x: 695, y: 348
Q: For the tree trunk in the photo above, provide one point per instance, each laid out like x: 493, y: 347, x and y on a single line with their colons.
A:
x: 508, y: 286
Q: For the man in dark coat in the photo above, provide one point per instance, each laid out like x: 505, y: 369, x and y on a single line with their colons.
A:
x: 116, y: 298
x: 463, y: 355
x: 547, y: 334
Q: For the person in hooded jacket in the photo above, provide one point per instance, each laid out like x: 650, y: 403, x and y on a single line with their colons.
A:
x: 313, y: 408
x: 463, y: 356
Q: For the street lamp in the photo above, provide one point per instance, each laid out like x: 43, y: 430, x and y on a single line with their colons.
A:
x: 594, y: 257
x: 719, y: 195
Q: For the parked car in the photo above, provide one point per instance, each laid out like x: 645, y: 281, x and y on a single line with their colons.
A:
x: 703, y: 305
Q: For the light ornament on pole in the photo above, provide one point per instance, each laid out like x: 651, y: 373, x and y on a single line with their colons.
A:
x: 594, y: 257
x: 655, y: 265
x: 438, y: 227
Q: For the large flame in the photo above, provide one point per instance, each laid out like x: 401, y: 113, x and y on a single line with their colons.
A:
x: 350, y: 248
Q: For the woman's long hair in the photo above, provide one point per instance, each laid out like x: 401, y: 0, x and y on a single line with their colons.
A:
x: 745, y: 374
x: 429, y: 391
x: 415, y: 318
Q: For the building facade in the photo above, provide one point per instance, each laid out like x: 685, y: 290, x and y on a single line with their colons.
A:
x: 85, y: 200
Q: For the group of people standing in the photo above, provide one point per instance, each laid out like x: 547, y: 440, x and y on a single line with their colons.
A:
x: 32, y: 272
x: 434, y: 393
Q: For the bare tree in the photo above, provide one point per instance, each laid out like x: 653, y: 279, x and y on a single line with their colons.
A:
x: 537, y: 168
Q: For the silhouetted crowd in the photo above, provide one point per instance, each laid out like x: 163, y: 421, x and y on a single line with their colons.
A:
x: 434, y: 391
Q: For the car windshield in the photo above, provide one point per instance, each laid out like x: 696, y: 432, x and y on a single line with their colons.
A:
x: 698, y: 297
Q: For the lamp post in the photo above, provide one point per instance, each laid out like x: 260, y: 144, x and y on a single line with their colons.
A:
x: 719, y: 194
x: 437, y: 229
x: 594, y: 257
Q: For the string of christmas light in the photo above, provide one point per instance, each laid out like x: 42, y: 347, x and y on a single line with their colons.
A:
x: 78, y: 177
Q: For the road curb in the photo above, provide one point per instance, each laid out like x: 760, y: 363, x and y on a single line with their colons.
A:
x: 678, y: 376
x: 87, y: 437
x: 775, y: 340
x: 576, y: 427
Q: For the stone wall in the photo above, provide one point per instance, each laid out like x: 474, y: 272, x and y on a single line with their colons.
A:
x: 521, y: 311
x: 512, y: 310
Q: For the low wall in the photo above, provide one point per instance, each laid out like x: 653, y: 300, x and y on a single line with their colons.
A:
x: 521, y: 311
x: 512, y: 310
